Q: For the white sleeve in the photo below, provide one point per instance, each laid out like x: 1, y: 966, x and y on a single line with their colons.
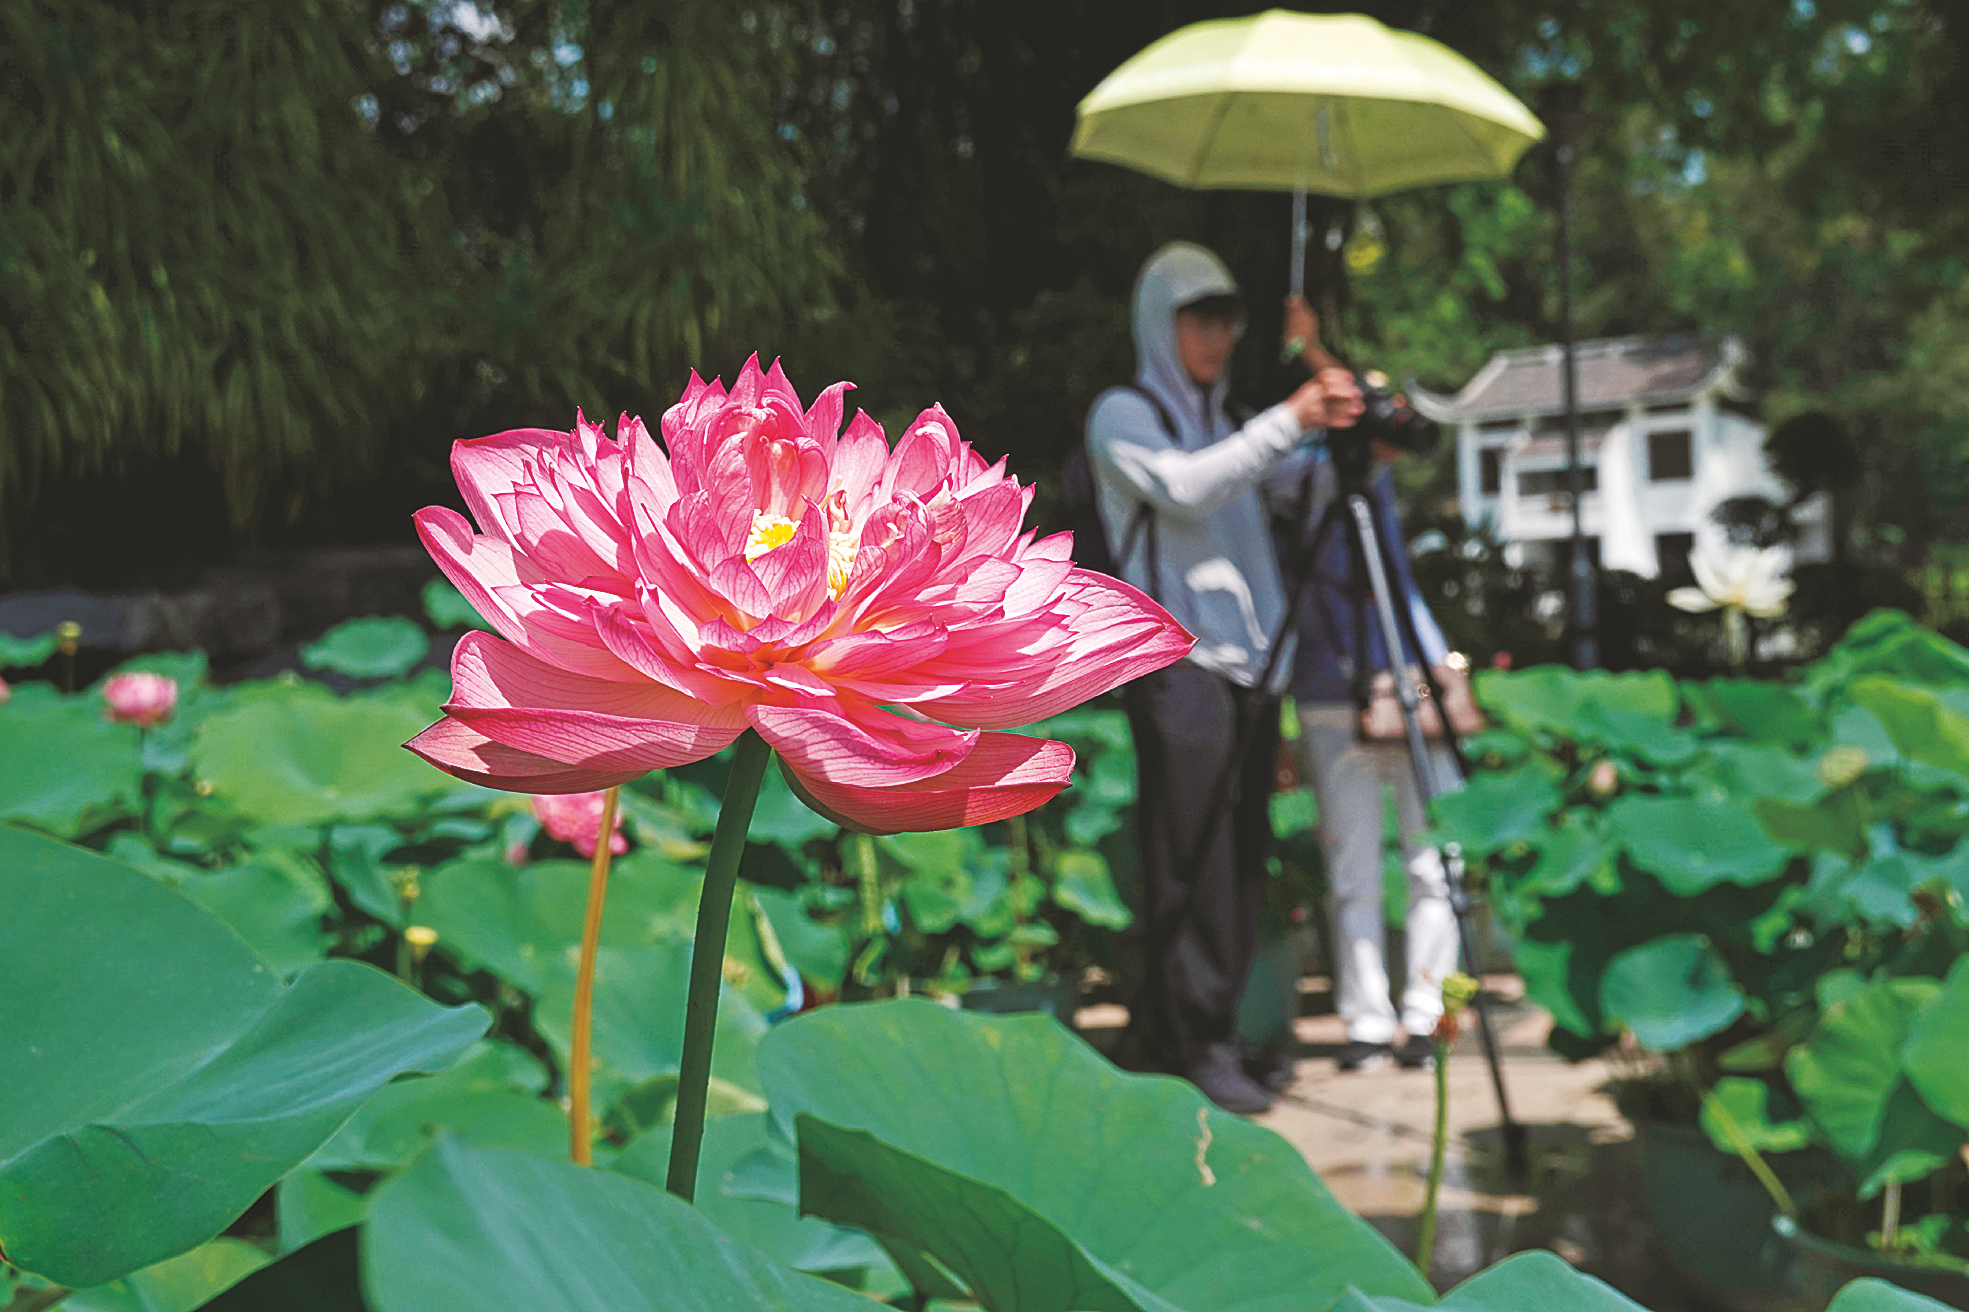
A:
x: 1126, y: 438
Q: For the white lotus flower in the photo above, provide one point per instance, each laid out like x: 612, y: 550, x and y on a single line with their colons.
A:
x: 1747, y: 579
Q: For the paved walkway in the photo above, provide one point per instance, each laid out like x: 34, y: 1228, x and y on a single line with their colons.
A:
x: 1367, y: 1135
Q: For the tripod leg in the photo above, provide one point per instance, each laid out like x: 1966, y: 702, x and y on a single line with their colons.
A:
x: 1405, y: 619
x: 1368, y: 541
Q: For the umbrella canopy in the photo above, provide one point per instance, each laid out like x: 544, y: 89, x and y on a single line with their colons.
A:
x: 1336, y: 104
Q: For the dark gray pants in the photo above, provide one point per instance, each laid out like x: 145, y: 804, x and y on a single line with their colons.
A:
x: 1205, y: 755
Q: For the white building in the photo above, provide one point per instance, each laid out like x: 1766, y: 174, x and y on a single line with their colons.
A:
x: 1665, y: 436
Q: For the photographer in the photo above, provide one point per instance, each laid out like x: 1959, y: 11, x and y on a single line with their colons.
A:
x: 1340, y: 648
x: 1178, y: 487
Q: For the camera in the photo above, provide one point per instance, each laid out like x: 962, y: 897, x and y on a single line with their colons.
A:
x: 1387, y: 417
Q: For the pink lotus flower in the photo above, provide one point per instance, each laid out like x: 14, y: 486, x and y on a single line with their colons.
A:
x: 5, y: 692
x: 876, y: 615
x: 577, y: 818
x: 140, y: 699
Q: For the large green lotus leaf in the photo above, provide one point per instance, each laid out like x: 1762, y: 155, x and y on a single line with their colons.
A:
x: 1691, y: 844
x: 1833, y: 823
x: 1872, y: 1294
x: 1935, y: 1054
x: 301, y: 756
x: 25, y: 653
x: 1741, y: 769
x: 1889, y: 642
x: 1671, y: 992
x: 1914, y: 1143
x: 159, y: 1077
x: 1551, y: 697
x: 524, y: 923
x: 819, y: 950
x: 1568, y: 858
x: 1551, y: 972
x: 639, y: 1020
x: 773, y: 1225
x: 1536, y: 1281
x: 1009, y: 1257
x: 1496, y: 810
x: 781, y: 817
x: 374, y: 647
x: 1083, y: 884
x: 1647, y: 738
x: 1879, y: 889
x: 63, y: 767
x: 493, y: 1229
x: 1739, y: 1107
x: 275, y: 902
x: 320, y: 1277
x: 446, y: 608
x: 309, y: 1205
x: 178, y: 1284
x: 929, y: 853
x: 1921, y: 723
x: 491, y: 1098
x: 1846, y: 1072
x: 1756, y: 709
x: 1141, y: 1174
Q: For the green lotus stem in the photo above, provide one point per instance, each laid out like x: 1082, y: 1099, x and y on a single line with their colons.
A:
x: 714, y: 914
x: 1890, y: 1216
x: 578, y: 1063
x: 868, y: 881
x: 1748, y: 1152
x: 1425, y: 1239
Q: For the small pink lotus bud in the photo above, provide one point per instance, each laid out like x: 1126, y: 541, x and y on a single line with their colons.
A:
x: 5, y: 692
x: 1501, y: 661
x: 140, y: 699
x: 577, y: 818
x: 1604, y: 779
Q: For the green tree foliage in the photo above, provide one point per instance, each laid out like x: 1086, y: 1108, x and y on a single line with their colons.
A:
x: 304, y: 246
x: 199, y: 248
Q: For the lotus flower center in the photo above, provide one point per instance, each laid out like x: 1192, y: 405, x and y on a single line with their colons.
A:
x: 768, y: 531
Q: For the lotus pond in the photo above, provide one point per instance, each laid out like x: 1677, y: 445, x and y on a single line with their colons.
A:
x: 287, y: 1010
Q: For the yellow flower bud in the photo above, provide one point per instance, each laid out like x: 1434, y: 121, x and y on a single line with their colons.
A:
x: 421, y: 938
x: 1842, y: 764
x: 1459, y: 991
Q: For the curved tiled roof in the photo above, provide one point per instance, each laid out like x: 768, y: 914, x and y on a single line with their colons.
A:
x: 1612, y: 372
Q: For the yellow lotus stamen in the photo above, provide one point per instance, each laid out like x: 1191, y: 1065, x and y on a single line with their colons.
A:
x: 768, y: 531
x: 841, y: 547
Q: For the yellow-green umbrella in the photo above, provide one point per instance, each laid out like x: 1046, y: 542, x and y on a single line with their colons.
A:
x: 1331, y: 103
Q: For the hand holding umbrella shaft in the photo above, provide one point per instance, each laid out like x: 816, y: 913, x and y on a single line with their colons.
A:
x: 1302, y: 336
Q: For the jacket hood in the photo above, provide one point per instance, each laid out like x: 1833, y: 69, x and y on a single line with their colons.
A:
x: 1174, y: 276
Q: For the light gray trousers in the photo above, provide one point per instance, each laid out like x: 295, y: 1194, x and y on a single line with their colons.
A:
x: 1347, y: 777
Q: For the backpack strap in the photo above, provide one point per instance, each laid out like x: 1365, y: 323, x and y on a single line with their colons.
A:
x: 1141, y: 524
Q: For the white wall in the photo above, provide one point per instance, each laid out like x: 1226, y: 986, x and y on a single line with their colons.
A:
x: 1629, y: 510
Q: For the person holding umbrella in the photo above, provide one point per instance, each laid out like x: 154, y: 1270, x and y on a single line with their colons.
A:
x: 1179, y: 487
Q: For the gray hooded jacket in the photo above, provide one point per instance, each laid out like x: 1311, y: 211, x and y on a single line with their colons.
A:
x: 1215, y: 569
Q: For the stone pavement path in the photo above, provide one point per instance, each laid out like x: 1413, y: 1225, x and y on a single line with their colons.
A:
x: 1367, y: 1135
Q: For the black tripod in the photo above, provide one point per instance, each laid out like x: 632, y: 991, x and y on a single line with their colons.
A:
x: 1352, y: 512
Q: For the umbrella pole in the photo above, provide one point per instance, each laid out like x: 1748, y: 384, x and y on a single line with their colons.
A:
x: 1299, y: 240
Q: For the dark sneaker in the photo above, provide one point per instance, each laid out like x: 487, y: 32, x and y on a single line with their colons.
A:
x: 1360, y: 1055
x: 1223, y: 1081
x: 1268, y: 1066
x: 1417, y: 1053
